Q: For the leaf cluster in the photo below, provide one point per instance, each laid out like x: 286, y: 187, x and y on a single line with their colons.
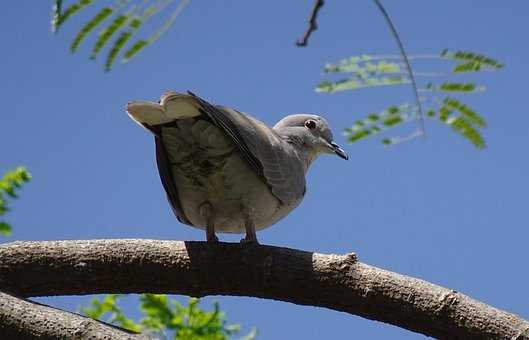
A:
x: 117, y: 24
x: 441, y: 106
x: 160, y: 314
x: 9, y: 185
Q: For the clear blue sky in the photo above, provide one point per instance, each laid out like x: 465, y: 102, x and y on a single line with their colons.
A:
x: 433, y: 208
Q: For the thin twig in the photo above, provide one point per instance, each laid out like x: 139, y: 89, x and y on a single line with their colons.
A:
x: 405, y: 57
x: 313, y: 24
x: 56, y: 15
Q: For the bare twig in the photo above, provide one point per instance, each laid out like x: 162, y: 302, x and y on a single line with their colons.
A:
x: 337, y: 282
x: 406, y: 60
x: 313, y: 24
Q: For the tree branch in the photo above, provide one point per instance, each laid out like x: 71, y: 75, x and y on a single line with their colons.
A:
x: 22, y: 319
x: 404, y: 56
x: 313, y: 24
x: 337, y: 282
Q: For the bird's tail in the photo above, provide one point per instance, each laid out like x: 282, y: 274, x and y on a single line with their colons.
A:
x: 172, y: 106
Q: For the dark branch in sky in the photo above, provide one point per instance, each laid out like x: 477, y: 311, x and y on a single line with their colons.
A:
x: 406, y: 61
x: 313, y: 24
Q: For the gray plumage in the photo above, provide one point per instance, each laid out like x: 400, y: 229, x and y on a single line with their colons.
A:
x: 226, y: 171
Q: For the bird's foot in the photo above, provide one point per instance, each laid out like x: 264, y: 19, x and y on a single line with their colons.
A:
x: 250, y: 241
x: 212, y: 239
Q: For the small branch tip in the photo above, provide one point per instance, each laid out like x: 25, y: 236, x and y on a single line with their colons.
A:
x: 313, y: 24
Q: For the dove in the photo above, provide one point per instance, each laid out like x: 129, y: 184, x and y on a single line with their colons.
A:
x: 225, y: 171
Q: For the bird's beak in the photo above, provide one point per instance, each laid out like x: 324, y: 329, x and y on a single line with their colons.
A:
x: 339, y: 151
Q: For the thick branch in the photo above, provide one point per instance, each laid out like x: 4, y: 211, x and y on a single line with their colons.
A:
x: 198, y: 269
x: 313, y: 23
x: 22, y: 319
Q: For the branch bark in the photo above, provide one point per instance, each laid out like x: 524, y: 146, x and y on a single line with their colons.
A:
x: 22, y: 319
x: 313, y: 23
x: 337, y: 282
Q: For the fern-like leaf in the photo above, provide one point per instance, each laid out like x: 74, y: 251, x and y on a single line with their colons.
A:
x: 141, y: 44
x: 353, y: 84
x: 9, y: 184
x: 471, y: 62
x: 372, y: 68
x: 454, y: 87
x: 134, y: 24
x: 469, y: 114
x: 135, y: 49
x: 69, y: 12
x: 375, y: 123
x: 465, y: 129
x: 107, y: 33
x: 101, y: 16
x: 120, y: 42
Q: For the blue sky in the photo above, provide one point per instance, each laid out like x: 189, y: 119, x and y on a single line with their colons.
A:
x: 434, y: 208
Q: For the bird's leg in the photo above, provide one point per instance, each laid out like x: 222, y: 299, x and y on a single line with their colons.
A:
x: 206, y: 210
x: 249, y: 225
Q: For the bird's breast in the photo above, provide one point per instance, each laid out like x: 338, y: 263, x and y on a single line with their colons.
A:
x: 207, y: 167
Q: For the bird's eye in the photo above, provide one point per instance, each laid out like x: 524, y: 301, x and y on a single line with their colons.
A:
x: 310, y: 124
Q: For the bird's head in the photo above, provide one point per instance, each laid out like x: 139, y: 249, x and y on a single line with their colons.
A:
x: 311, y: 133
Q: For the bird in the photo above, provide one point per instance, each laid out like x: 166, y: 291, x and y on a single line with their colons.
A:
x: 225, y: 171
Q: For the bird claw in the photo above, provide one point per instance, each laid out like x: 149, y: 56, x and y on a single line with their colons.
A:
x: 249, y: 241
x: 212, y: 239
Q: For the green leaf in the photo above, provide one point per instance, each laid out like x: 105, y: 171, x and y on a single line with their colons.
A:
x: 353, y: 84
x: 380, y: 67
x: 472, y: 62
x: 109, y: 306
x: 454, y: 87
x: 157, y: 311
x: 460, y: 87
x: 107, y: 33
x: 134, y: 24
x: 471, y: 66
x: 161, y: 314
x: 5, y: 229
x: 465, y: 129
x: 118, y: 45
x: 444, y: 113
x: 469, y: 114
x: 373, y: 117
x: 393, y: 109
x: 344, y: 63
x: 135, y: 49
x: 140, y: 44
x: 101, y: 16
x: 354, y: 136
x: 392, y: 121
x: 369, y: 70
x: 376, y: 123
x: 131, y: 19
x: 69, y: 12
x: 9, y: 184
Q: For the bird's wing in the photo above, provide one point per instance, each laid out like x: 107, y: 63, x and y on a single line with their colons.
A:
x: 166, y: 176
x: 274, y: 160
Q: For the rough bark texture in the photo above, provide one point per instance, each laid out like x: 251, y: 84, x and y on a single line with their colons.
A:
x: 21, y: 319
x: 198, y: 269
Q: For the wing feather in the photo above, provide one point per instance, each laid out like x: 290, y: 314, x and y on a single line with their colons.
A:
x: 267, y: 154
